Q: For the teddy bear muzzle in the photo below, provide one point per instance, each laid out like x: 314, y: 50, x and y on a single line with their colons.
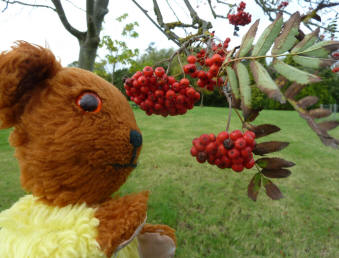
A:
x: 136, y: 141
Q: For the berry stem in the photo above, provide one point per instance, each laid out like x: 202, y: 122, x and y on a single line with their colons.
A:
x: 181, y: 66
x: 228, y: 96
x: 242, y: 120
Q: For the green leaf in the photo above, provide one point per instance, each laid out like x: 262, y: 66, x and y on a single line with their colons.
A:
x: 232, y: 78
x: 268, y: 147
x: 287, y: 38
x: 272, y: 190
x: 322, y: 49
x: 294, y: 74
x: 254, y: 186
x: 265, y: 82
x: 274, y: 163
x: 245, y: 89
x: 313, y: 62
x: 248, y: 39
x: 268, y: 36
x: 307, y: 41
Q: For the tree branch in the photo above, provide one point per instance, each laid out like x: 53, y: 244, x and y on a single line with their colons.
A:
x: 176, y: 41
x: 100, y: 10
x: 61, y: 13
x: 214, y: 13
x: 91, y: 29
x: 26, y: 4
x: 196, y: 19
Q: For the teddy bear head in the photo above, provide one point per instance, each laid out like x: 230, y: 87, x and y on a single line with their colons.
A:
x: 75, y: 135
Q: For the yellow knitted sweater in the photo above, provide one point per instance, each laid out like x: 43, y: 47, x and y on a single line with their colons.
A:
x: 32, y: 229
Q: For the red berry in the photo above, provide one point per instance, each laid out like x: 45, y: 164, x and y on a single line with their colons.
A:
x: 204, y: 139
x: 171, y: 80
x: 148, y: 71
x: 237, y: 167
x: 184, y: 82
x: 235, y: 135
x: 217, y: 59
x: 248, y: 138
x: 159, y: 71
x: 246, y: 152
x: 221, y: 151
x: 238, y: 160
x: 240, y: 143
x: 170, y: 94
x: 211, y: 148
x: 222, y: 136
x: 194, y: 151
x: 233, y: 153
x: 191, y: 59
x: 250, y: 164
x: 199, y: 146
x: 226, y: 161
x: 212, y: 137
x: 201, y: 157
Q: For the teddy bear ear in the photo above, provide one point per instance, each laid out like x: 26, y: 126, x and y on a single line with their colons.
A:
x: 22, y: 69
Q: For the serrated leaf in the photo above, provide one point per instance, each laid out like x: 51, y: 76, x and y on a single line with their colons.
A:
x: 274, y: 163
x: 321, y: 49
x: 245, y: 88
x: 263, y: 130
x: 265, y: 82
x: 276, y: 173
x: 272, y: 190
x: 268, y: 147
x: 232, y: 78
x: 307, y: 41
x: 254, y: 187
x: 293, y: 90
x: 248, y: 39
x: 294, y: 74
x: 319, y: 113
x: 253, y: 115
x: 307, y: 101
x: 313, y: 62
x: 287, y: 38
x: 268, y: 36
x: 328, y: 125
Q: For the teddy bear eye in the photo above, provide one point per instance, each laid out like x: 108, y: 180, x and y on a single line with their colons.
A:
x: 89, y: 102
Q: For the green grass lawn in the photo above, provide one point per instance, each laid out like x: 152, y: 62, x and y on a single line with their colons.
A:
x: 209, y: 207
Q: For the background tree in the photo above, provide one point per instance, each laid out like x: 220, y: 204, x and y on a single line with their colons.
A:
x: 118, y: 51
x: 88, y: 40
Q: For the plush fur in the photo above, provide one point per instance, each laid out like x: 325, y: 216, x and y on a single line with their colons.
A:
x: 68, y: 156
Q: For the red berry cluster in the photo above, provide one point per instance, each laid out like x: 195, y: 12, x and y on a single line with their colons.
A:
x: 240, y: 18
x: 335, y: 69
x: 282, y: 5
x: 207, y: 79
x: 157, y: 93
x: 232, y: 150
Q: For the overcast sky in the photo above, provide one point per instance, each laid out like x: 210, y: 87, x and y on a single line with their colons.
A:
x: 42, y: 26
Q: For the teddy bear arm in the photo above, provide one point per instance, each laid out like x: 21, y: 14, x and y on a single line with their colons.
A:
x: 120, y: 220
x: 157, y: 241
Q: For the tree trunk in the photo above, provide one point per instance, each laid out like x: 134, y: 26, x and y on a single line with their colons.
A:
x: 88, y: 52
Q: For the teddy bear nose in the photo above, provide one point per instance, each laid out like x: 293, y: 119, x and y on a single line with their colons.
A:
x: 135, y: 138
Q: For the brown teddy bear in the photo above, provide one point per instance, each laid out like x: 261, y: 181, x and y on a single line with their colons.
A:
x: 76, y: 140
